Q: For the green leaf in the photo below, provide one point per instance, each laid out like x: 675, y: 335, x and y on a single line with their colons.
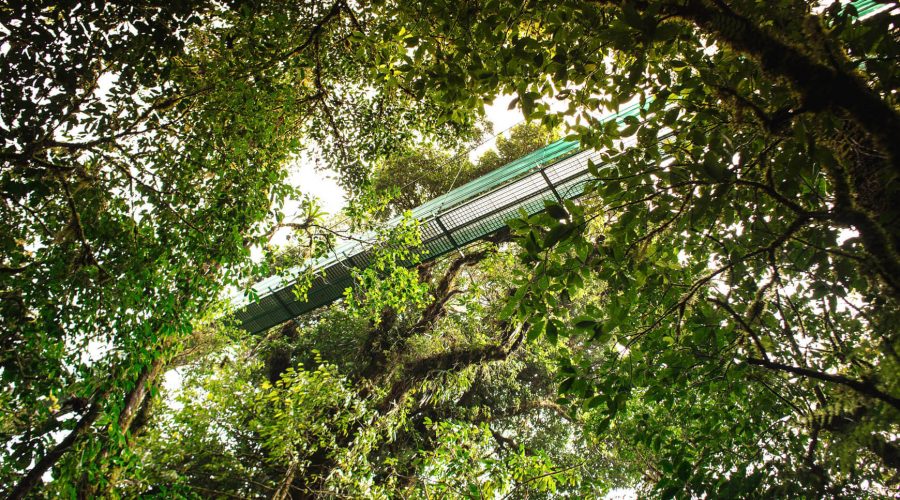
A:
x: 558, y: 233
x: 536, y: 329
x: 552, y: 335
x: 556, y: 210
x: 584, y: 323
x: 552, y: 330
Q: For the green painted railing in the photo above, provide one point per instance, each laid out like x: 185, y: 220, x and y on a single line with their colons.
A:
x: 451, y: 221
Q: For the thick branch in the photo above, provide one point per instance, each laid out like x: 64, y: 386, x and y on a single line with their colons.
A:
x: 411, y: 374
x: 820, y: 85
x: 455, y: 360
x: 864, y: 388
x: 378, y: 340
x: 132, y: 404
x: 442, y: 291
x: 33, y: 477
x: 376, y: 343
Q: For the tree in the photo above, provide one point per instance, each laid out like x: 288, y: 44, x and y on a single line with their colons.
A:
x: 714, y: 317
x: 377, y: 354
x: 747, y: 263
x: 144, y: 147
x: 414, y: 404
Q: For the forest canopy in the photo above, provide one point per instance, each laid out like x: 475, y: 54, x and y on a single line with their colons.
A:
x: 715, y: 317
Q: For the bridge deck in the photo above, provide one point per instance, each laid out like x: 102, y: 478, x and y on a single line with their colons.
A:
x: 466, y: 214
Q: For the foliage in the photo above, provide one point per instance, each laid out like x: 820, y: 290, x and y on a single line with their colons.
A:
x: 388, y: 282
x: 715, y: 317
x: 292, y: 418
x: 379, y: 438
x: 743, y: 264
x: 144, y: 153
x: 425, y: 172
x: 464, y: 467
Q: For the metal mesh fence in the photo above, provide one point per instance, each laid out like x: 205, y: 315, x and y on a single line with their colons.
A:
x: 448, y: 222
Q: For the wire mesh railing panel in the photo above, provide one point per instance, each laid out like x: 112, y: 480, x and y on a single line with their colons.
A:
x: 437, y: 246
x: 466, y: 214
x: 491, y: 180
x: 493, y: 201
x: 430, y: 229
x: 560, y: 171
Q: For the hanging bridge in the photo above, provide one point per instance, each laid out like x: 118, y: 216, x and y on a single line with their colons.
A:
x: 448, y: 223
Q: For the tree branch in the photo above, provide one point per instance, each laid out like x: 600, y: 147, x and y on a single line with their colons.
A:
x: 820, y: 85
x: 79, y: 230
x: 864, y: 388
x: 33, y: 477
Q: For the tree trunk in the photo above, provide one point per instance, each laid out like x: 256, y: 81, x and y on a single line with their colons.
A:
x: 33, y: 477
x: 821, y: 86
x: 135, y: 401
